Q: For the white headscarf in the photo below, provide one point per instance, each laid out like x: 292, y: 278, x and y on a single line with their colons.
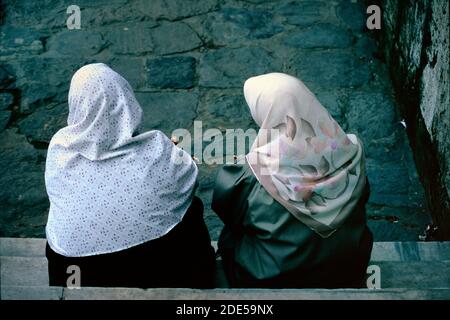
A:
x: 311, y: 166
x: 111, y: 188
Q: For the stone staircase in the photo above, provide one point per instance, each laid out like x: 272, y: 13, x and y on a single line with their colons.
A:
x: 408, y: 270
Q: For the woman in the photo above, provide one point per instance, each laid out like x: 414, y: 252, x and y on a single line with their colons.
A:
x: 294, y: 210
x: 122, y: 205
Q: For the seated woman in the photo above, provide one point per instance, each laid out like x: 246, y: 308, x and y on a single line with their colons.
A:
x: 122, y: 205
x: 294, y: 211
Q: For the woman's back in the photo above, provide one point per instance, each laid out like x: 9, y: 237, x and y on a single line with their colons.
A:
x: 263, y: 245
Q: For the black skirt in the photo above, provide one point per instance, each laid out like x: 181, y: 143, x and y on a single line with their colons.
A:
x: 183, y: 257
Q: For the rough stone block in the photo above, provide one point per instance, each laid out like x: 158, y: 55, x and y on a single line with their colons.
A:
x: 175, y: 9
x: 76, y: 43
x: 31, y: 293
x: 171, y: 72
x: 332, y: 102
x: 330, y: 68
x: 6, y: 100
x: 372, y: 115
x: 44, y: 81
x: 22, y: 247
x: 4, y: 119
x: 20, y: 40
x: 167, y: 111
x: 318, y: 36
x: 231, y: 67
x: 41, y: 125
x: 143, y: 38
x: 24, y: 271
x: 352, y: 14
x: 175, y: 37
x: 132, y: 69
x: 235, y: 25
x: 131, y: 39
x: 23, y: 209
x: 6, y: 76
x: 303, y: 13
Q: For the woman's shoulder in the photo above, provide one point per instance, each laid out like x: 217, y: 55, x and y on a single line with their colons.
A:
x: 233, y: 181
x: 235, y: 174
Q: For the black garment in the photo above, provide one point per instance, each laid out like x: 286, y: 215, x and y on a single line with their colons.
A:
x: 183, y: 257
x: 263, y: 245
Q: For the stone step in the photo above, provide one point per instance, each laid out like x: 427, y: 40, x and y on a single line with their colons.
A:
x: 22, y: 247
x: 57, y: 293
x: 23, y: 271
x: 413, y: 265
x: 382, y: 251
x: 32, y: 271
x: 30, y: 292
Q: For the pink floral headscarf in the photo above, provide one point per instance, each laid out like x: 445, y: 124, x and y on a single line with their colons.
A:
x: 301, y: 155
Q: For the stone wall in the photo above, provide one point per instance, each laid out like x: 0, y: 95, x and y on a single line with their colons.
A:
x: 416, y: 45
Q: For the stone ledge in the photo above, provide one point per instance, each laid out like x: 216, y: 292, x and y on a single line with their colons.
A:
x: 382, y: 251
x: 57, y: 293
x: 32, y: 271
x: 402, y: 264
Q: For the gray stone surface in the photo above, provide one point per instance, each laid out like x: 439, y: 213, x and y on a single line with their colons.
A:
x: 411, y: 251
x: 43, y: 81
x: 175, y: 9
x: 175, y: 37
x: 6, y: 100
x: 330, y: 68
x: 374, y: 124
x: 225, y: 67
x: 101, y: 13
x: 334, y: 103
x: 188, y: 60
x: 235, y: 25
x: 159, y: 110
x: 171, y: 72
x: 42, y: 124
x: 131, y: 68
x: 219, y: 107
x: 131, y: 39
x: 4, y: 119
x: 6, y: 76
x: 24, y: 271
x: 79, y: 43
x: 23, y: 200
x: 17, y: 40
x: 30, y: 13
x: 22, y: 247
x: 319, y: 36
x: 352, y: 14
x: 31, y: 293
x: 303, y: 13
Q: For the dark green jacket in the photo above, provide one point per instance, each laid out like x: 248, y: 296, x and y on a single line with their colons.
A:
x: 263, y: 245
